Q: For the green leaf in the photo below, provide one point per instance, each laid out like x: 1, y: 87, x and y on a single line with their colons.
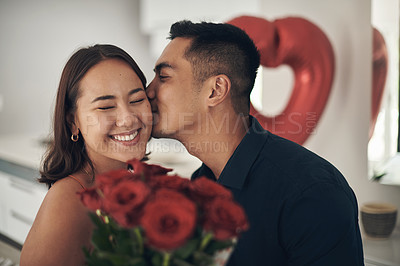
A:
x: 123, y: 243
x: 218, y: 245
x: 92, y: 259
x: 206, y: 238
x: 202, y: 259
x: 100, y: 239
x: 157, y: 259
x: 377, y: 177
x: 96, y: 219
x: 179, y: 262
x: 122, y: 260
x: 137, y: 238
x: 185, y: 251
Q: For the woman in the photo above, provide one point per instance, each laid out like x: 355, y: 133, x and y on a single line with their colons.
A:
x: 102, y: 119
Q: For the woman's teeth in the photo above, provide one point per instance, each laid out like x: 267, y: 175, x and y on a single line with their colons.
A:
x: 125, y: 137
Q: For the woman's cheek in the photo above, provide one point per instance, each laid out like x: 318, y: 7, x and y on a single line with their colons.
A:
x: 106, y: 122
x: 147, y: 115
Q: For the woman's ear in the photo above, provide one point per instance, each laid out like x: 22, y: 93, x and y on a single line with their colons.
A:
x: 221, y: 87
x: 72, y: 125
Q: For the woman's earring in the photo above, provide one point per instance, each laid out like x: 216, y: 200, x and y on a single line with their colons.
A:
x: 74, y: 138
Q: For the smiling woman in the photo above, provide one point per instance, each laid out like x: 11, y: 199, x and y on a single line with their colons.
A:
x: 111, y: 115
x: 102, y: 119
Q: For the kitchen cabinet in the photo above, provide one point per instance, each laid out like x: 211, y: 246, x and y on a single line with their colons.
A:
x: 19, y: 202
x: 3, y: 212
x: 20, y: 193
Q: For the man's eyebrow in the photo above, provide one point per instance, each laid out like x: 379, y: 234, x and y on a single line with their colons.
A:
x: 161, y: 66
x: 111, y: 97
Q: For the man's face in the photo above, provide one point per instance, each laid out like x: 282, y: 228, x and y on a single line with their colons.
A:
x: 174, y: 99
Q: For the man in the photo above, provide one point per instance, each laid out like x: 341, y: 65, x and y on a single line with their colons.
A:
x: 300, y: 208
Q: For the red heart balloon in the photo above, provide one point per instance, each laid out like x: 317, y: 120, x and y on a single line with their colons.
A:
x: 304, y: 47
x: 380, y: 68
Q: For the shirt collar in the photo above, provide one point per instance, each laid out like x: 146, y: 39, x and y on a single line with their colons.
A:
x: 238, y: 166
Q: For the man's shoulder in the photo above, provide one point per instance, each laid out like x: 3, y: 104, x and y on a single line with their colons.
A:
x: 291, y: 164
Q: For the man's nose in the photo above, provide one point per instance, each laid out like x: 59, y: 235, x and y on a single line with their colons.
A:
x: 150, y: 91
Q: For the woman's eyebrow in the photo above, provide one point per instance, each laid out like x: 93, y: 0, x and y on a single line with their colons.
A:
x: 135, y: 91
x: 104, y: 97
x: 111, y: 97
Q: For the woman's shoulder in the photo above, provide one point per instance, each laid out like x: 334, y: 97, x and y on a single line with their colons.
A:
x: 62, y: 196
x: 62, y: 221
x: 62, y: 208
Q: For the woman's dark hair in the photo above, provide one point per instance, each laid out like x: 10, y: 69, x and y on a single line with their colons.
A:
x: 220, y: 48
x: 64, y: 156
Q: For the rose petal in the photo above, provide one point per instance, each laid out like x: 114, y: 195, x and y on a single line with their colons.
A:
x: 225, y: 218
x: 169, y: 223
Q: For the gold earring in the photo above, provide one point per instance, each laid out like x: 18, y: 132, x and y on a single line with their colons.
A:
x: 74, y: 138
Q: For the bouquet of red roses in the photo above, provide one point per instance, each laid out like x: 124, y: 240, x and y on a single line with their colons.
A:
x: 145, y: 217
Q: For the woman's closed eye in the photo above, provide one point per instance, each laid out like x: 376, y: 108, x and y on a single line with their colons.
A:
x: 137, y: 101
x: 106, y: 107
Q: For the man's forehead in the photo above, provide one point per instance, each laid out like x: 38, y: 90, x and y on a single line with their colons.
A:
x: 173, y: 53
x: 176, y: 47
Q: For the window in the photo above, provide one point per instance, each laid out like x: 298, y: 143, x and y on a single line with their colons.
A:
x: 384, y: 144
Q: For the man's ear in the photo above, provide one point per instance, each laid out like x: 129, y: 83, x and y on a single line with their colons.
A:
x: 221, y: 87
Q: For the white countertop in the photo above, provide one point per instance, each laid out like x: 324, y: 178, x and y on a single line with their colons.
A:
x: 21, y: 149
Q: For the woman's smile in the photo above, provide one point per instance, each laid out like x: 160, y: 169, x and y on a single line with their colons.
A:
x: 129, y: 138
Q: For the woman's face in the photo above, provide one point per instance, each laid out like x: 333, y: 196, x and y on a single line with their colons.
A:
x: 113, y: 115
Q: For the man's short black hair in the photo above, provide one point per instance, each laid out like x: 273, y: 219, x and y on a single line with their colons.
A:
x: 220, y: 48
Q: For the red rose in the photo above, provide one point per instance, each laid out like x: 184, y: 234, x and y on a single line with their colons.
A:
x: 225, y: 218
x: 113, y: 177
x: 128, y: 219
x: 124, y: 200
x: 204, y: 190
x: 170, y: 194
x: 91, y: 199
x: 170, y: 181
x: 147, y: 170
x: 169, y: 220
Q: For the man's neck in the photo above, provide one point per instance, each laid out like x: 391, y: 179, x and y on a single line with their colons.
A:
x: 215, y: 145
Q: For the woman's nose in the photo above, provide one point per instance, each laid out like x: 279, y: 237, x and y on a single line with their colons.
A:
x: 125, y: 119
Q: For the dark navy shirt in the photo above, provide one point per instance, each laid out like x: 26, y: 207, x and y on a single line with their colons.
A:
x: 300, y: 208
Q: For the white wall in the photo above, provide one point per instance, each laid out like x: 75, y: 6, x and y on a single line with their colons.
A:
x: 36, y: 40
